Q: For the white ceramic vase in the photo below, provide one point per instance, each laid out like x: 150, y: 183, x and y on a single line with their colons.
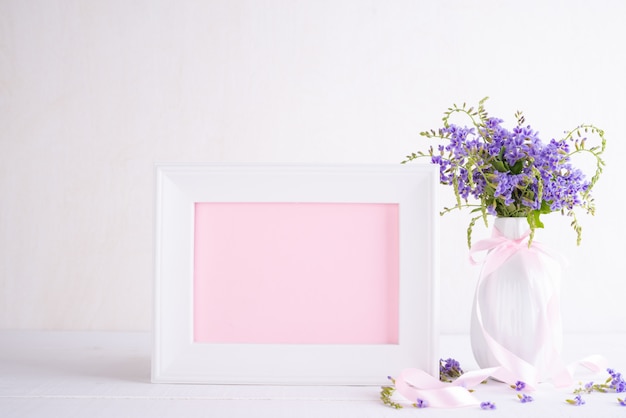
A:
x: 518, y: 306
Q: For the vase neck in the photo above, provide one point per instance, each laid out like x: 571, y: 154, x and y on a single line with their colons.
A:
x: 512, y: 228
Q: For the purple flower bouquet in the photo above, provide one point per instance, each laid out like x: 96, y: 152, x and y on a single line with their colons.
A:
x: 513, y: 173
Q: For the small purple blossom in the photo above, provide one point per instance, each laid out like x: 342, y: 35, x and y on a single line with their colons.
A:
x: 524, y: 398
x: 621, y: 401
x: 617, y: 381
x: 449, y: 370
x: 577, y: 401
x: 420, y: 403
x: 519, y: 386
x: 487, y: 405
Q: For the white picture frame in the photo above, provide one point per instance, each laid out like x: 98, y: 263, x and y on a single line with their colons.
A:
x: 178, y: 358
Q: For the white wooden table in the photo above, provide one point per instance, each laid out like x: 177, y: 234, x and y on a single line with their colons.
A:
x: 98, y: 374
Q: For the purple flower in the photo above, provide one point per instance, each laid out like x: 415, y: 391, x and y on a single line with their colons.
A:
x: 487, y: 405
x: 519, y: 386
x: 493, y: 123
x: 449, y: 369
x: 577, y: 401
x: 621, y: 401
x: 525, y: 398
x: 421, y: 403
x: 617, y: 382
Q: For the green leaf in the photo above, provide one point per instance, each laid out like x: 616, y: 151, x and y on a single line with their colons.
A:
x: 533, y: 219
x: 499, y: 165
x: 517, y: 167
x: 545, y: 207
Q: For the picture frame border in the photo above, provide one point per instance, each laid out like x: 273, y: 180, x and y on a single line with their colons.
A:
x: 176, y: 358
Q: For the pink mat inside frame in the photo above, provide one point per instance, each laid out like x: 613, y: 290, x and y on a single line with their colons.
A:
x: 296, y: 273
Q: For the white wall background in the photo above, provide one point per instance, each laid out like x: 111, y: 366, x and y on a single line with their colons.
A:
x: 92, y: 93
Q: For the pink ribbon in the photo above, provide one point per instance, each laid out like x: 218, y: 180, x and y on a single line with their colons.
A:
x: 501, y: 248
x: 416, y: 384
x: 513, y: 368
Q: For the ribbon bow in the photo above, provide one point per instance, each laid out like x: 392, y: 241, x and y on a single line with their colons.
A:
x: 500, y: 249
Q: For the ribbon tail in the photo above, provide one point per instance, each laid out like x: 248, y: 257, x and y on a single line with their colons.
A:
x: 513, y: 367
x: 595, y: 363
x: 449, y: 397
x: 565, y: 376
x: 475, y: 377
x: 414, y: 384
x: 445, y: 396
x: 419, y: 379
